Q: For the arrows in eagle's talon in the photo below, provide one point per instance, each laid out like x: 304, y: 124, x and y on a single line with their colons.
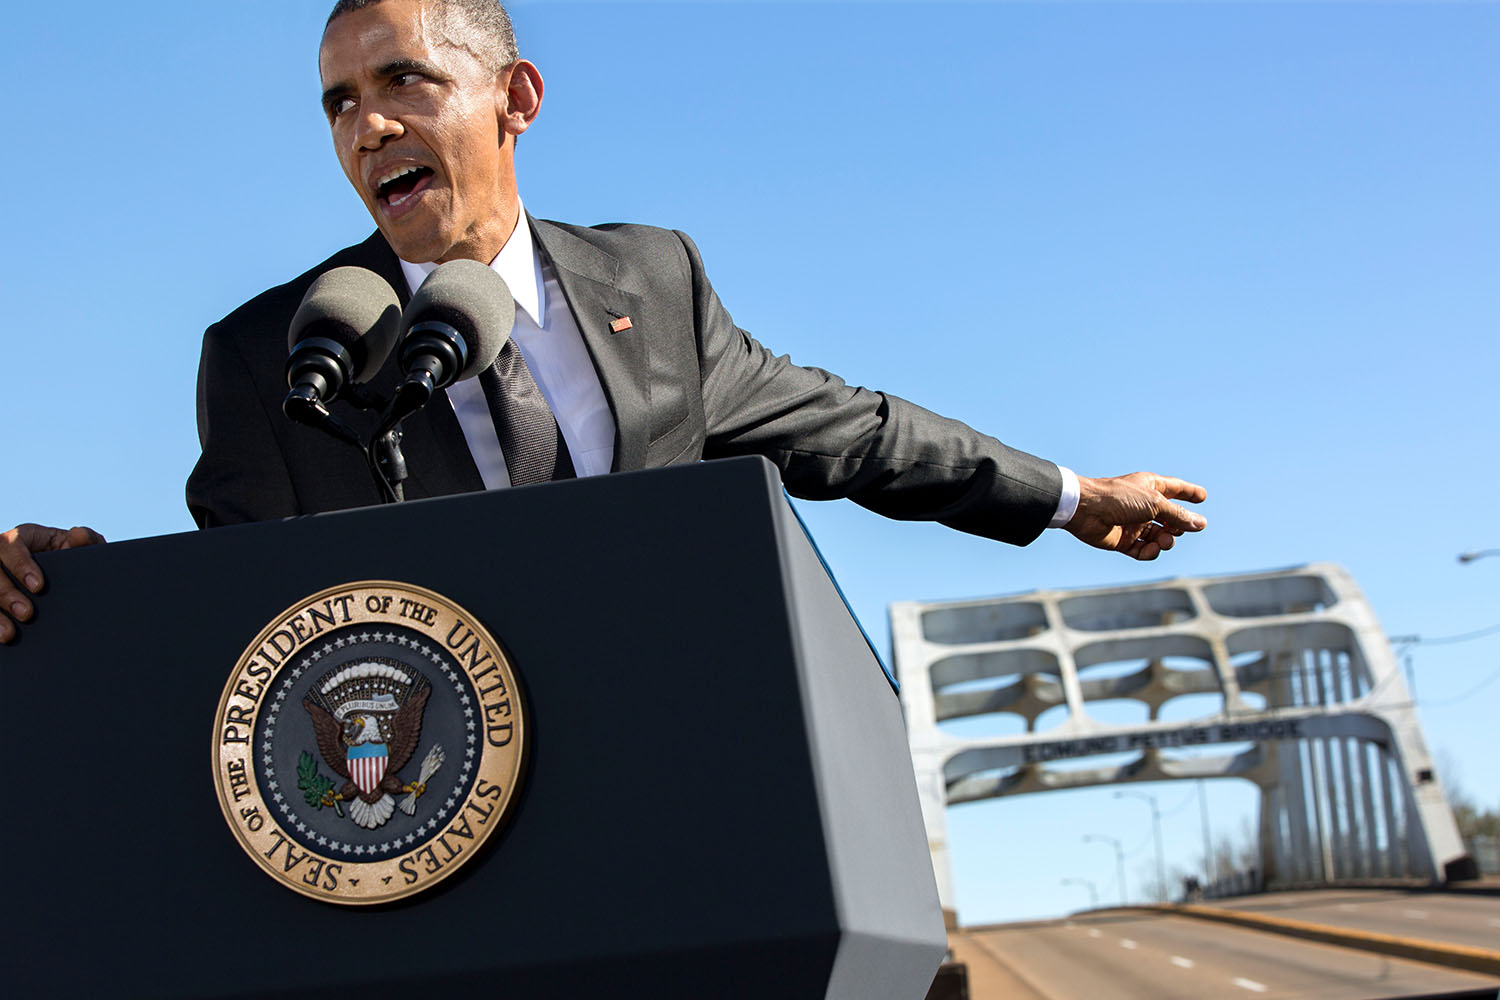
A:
x: 430, y: 765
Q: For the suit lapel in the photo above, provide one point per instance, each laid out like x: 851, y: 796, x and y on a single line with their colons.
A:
x: 438, y: 459
x: 588, y: 277
x: 439, y: 462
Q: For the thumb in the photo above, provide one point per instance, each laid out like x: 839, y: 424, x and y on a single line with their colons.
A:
x: 1173, y: 516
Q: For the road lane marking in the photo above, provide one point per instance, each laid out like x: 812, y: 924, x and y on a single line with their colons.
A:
x: 1415, y: 914
x: 1251, y: 985
x: 1182, y: 963
x: 1094, y: 932
x: 1127, y: 943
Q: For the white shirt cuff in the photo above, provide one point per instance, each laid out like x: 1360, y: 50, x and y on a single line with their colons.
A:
x: 1067, y: 504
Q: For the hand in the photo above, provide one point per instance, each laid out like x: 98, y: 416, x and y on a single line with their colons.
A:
x: 16, y: 547
x: 1134, y: 514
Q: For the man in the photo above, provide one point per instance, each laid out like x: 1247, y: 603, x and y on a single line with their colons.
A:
x: 638, y: 362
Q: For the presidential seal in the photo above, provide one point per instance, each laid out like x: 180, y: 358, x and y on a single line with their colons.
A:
x: 369, y: 741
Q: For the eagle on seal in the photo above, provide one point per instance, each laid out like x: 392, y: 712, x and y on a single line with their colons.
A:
x: 368, y: 721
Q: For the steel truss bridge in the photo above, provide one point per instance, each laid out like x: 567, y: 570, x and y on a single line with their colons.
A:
x: 1303, y: 673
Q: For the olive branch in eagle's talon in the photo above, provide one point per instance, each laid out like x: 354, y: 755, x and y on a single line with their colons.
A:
x: 316, y: 789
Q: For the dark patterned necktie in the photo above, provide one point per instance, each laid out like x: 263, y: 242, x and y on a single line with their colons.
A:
x: 535, y: 451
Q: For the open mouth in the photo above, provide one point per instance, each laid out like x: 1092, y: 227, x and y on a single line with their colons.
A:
x: 400, y: 185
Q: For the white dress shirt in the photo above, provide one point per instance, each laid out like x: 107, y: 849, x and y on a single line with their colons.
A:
x: 549, y: 340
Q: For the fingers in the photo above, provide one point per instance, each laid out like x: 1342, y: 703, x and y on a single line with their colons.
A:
x: 15, y: 555
x: 1150, y: 541
x: 22, y: 576
x: 1142, y: 549
x: 1179, y: 519
x: 16, y: 546
x: 1171, y: 515
x: 1153, y: 541
x: 15, y: 603
x: 79, y: 536
x: 1179, y: 489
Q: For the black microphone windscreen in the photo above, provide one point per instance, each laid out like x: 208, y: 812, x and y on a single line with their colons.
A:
x: 475, y: 301
x: 356, y: 309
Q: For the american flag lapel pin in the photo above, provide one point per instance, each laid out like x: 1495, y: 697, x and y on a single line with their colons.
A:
x: 620, y: 325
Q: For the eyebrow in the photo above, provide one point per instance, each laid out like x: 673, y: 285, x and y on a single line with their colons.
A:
x: 398, y: 66
x: 334, y: 93
x: 384, y: 72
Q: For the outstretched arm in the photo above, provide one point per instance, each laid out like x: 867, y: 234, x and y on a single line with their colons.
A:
x: 25, y: 576
x: 1135, y: 514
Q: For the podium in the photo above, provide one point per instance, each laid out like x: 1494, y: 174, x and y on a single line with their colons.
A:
x: 717, y: 797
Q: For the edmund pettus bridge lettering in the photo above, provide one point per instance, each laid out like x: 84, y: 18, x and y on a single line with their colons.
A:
x: 1087, y: 746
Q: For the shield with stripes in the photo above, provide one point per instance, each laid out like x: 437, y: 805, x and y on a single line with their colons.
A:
x: 367, y: 765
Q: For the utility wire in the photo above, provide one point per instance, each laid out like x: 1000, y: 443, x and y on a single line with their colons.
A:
x: 1444, y: 640
x: 1150, y: 836
x: 1407, y: 641
x: 1444, y: 702
x: 1181, y: 805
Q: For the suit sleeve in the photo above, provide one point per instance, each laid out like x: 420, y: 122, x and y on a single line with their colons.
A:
x: 831, y: 440
x: 241, y: 475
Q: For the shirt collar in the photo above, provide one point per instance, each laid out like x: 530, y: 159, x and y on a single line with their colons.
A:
x: 518, y: 263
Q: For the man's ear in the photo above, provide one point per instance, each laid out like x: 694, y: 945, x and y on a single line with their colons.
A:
x: 518, y: 98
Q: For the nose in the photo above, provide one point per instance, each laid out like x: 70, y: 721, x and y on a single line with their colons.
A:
x: 375, y: 129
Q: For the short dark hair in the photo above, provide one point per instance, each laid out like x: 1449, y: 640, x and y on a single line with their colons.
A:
x: 481, y: 26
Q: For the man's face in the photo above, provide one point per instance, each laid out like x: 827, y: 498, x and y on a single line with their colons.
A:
x: 417, y: 124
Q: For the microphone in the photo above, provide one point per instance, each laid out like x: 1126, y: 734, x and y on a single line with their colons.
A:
x: 453, y: 328
x: 341, y: 334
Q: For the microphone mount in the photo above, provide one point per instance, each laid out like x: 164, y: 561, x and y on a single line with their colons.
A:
x: 432, y: 355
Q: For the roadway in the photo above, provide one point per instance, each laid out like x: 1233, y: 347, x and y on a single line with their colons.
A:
x: 1165, y: 956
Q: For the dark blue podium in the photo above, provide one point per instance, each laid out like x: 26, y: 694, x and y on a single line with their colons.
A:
x: 718, y: 799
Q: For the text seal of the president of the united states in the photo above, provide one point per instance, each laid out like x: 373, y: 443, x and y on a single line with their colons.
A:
x: 369, y: 741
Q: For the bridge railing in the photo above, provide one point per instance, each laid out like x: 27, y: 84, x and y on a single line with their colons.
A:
x: 1486, y: 853
x: 1240, y: 883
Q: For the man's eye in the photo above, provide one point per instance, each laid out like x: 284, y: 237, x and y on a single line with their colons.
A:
x: 405, y: 79
x: 339, y: 106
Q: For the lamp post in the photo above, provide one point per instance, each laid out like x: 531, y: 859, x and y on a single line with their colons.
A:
x: 1119, y: 860
x: 1210, y: 869
x: 1161, y: 872
x: 1093, y: 891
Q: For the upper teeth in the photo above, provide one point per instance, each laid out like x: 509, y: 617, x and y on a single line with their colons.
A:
x: 394, y: 174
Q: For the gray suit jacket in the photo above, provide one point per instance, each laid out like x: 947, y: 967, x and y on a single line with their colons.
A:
x: 684, y: 383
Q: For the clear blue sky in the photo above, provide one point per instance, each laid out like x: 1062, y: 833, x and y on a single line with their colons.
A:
x: 1255, y: 245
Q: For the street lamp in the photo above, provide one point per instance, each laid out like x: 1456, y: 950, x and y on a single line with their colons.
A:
x: 1161, y: 873
x: 1119, y: 860
x: 1093, y: 891
x: 1468, y: 557
x: 1210, y: 869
